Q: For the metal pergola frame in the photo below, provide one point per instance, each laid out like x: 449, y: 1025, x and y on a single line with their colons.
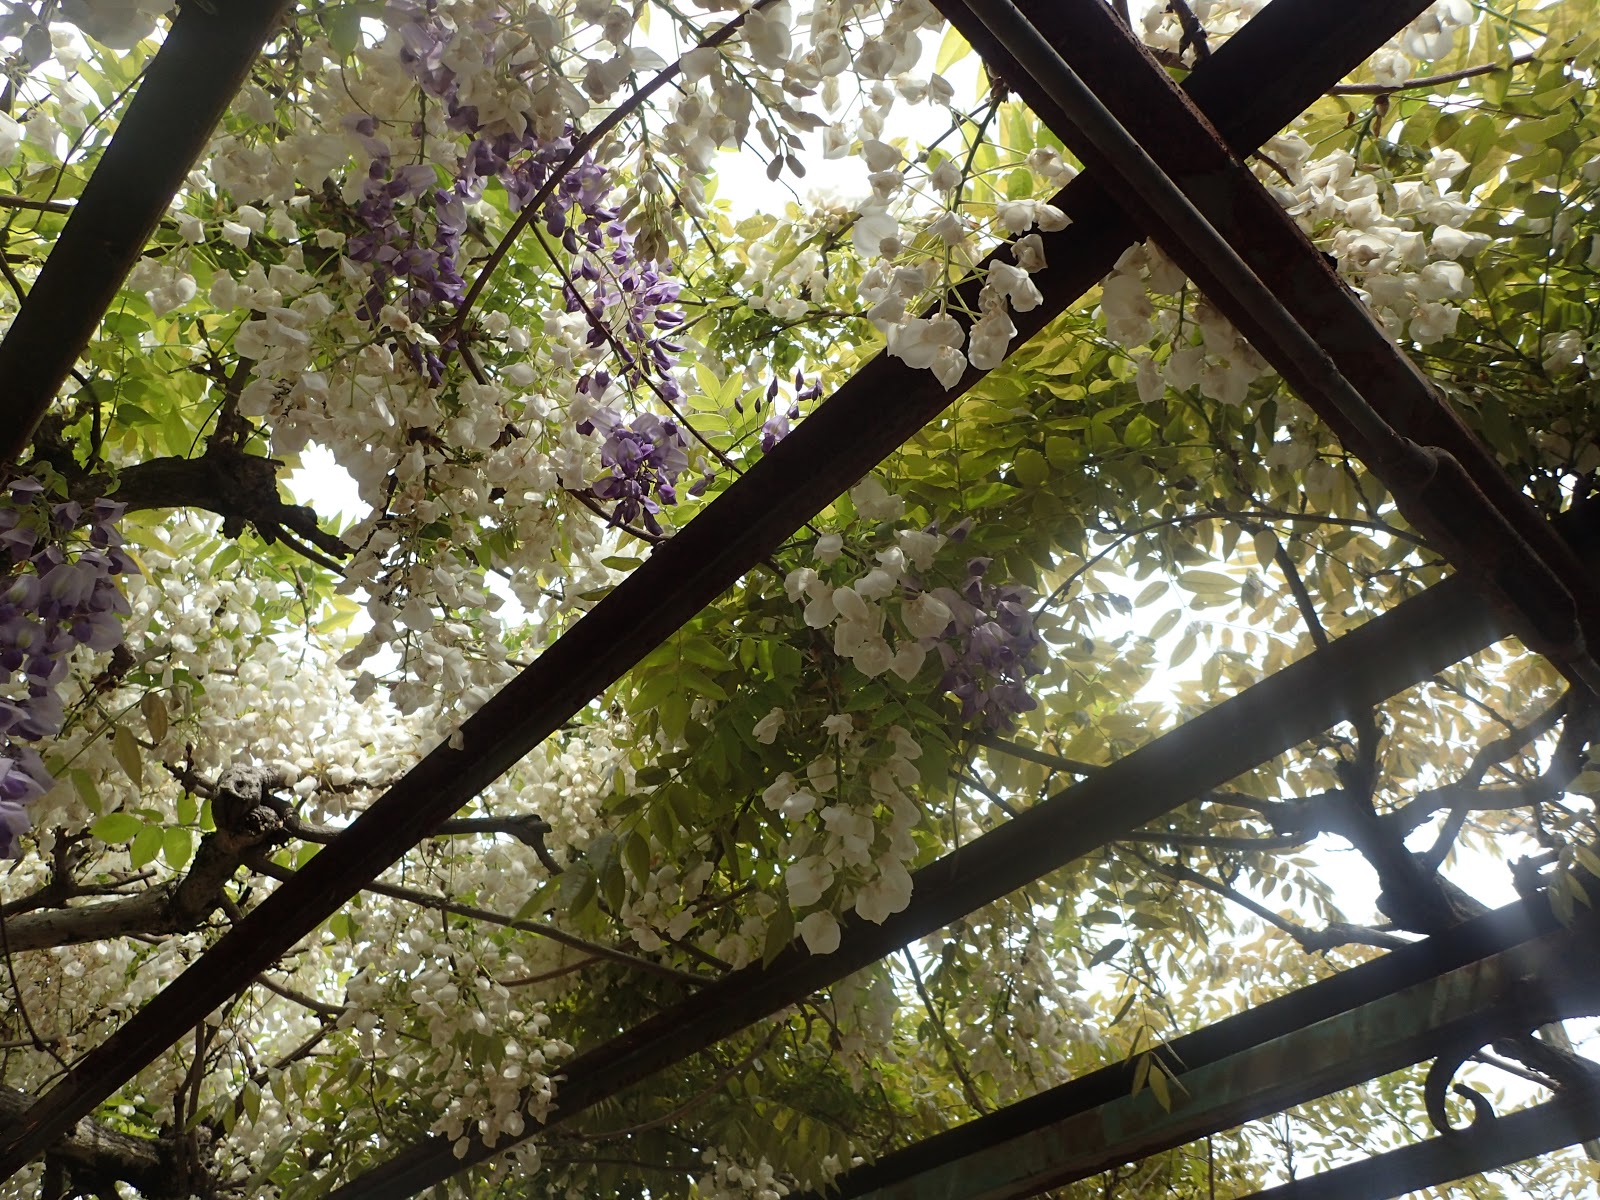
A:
x: 1164, y: 161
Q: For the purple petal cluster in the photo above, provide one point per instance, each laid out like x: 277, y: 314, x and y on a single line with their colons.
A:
x: 412, y: 241
x: 51, y: 602
x: 776, y: 427
x: 645, y: 456
x: 990, y: 649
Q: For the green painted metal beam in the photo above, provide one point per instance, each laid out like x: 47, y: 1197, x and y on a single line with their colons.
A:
x: 1542, y: 1129
x: 1507, y: 993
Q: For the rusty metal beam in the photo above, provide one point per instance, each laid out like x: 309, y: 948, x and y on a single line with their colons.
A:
x: 185, y: 91
x: 1480, y: 938
x: 1463, y: 501
x: 1505, y: 994
x: 881, y: 406
x: 1499, y: 1142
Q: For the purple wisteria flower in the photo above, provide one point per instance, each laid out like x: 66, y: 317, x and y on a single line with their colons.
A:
x: 411, y: 242
x: 51, y: 602
x: 646, y: 456
x: 990, y: 648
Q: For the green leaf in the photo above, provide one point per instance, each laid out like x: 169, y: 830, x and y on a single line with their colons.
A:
x: 1158, y: 1084
x: 1141, y: 1072
x: 344, y: 29
x: 146, y: 845
x: 83, y: 783
x: 1207, y: 583
x: 1165, y: 624
x: 577, y: 890
x: 1107, y: 952
x: 952, y: 49
x: 116, y: 828
x: 154, y: 709
x: 125, y: 749
x: 780, y: 932
x: 1031, y: 468
x: 177, y: 847
x: 636, y: 853
x: 1151, y: 593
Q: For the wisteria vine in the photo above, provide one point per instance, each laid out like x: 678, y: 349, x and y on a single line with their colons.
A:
x: 411, y: 237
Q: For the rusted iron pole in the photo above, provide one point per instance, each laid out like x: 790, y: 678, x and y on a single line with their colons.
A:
x: 186, y: 89
x: 1476, y: 939
x: 871, y: 414
x: 1530, y: 1133
x: 1402, y: 647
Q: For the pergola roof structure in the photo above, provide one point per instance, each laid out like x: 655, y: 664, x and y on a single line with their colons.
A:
x: 1164, y: 162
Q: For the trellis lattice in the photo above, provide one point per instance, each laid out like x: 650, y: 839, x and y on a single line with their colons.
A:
x: 1163, y: 162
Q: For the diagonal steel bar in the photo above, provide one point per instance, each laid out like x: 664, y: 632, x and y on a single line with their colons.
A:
x: 1108, y: 99
x: 1502, y: 995
x: 1388, y: 654
x: 1479, y: 938
x: 1267, y: 60
x: 185, y: 91
x: 870, y: 415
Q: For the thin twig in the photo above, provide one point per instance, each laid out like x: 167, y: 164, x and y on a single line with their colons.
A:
x: 954, y: 1051
x: 321, y: 1007
x: 994, y: 796
x: 581, y: 147
x: 1071, y: 766
x: 439, y: 903
x: 39, y: 1043
x: 1336, y: 934
x: 50, y: 206
x: 1428, y: 81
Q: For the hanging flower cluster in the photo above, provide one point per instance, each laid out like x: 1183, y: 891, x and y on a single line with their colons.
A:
x: 989, y: 647
x: 625, y: 300
x: 51, y: 603
x: 983, y: 632
x: 645, y: 457
x: 776, y: 427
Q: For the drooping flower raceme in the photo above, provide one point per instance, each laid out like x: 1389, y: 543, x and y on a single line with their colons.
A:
x: 51, y: 602
x: 989, y: 647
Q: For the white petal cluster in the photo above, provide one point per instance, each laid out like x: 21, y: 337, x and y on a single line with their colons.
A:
x: 855, y: 611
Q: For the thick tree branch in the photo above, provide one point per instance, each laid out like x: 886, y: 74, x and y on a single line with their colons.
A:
x: 1336, y: 934
x: 240, y: 488
x: 96, y: 1155
x: 244, y: 827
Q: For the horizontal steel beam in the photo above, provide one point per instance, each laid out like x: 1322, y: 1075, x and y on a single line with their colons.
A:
x: 885, y: 403
x: 1388, y: 654
x: 1505, y: 994
x: 1485, y: 1146
x: 1268, y: 59
x: 881, y: 406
